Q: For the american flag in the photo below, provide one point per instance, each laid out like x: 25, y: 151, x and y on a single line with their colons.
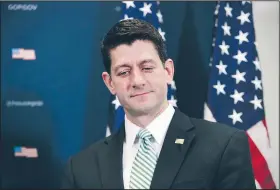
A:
x: 235, y: 92
x: 150, y: 12
x: 24, y: 54
x: 20, y: 151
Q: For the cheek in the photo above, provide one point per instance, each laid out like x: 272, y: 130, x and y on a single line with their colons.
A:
x: 160, y: 78
x: 160, y: 84
x: 121, y: 87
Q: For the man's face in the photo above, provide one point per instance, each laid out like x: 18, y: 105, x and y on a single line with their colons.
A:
x: 138, y: 77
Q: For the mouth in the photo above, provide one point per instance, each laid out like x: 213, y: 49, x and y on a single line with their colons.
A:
x: 140, y: 94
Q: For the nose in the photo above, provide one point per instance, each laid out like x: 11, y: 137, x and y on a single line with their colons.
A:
x: 137, y: 79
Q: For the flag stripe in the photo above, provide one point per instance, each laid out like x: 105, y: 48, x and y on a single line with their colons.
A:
x: 261, y: 169
x: 257, y: 185
x: 267, y: 132
x: 258, y: 135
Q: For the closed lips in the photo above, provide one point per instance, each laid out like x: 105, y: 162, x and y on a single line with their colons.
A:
x: 139, y: 94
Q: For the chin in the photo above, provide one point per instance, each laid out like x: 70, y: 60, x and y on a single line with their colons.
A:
x: 142, y: 109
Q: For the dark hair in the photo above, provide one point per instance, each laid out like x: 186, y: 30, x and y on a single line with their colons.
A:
x: 128, y: 31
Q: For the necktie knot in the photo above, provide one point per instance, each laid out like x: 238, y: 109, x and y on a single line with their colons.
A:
x: 145, y: 135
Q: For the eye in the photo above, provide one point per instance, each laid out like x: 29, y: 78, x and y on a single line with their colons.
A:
x: 123, y: 73
x: 147, y: 69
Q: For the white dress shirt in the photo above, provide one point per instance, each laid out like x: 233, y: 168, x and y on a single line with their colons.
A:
x: 158, y: 128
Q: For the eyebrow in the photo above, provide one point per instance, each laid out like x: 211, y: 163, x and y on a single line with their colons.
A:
x: 147, y: 61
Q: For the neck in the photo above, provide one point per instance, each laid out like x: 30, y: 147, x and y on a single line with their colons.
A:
x: 145, y: 119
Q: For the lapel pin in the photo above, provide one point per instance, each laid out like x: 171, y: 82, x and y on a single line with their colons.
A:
x: 179, y: 141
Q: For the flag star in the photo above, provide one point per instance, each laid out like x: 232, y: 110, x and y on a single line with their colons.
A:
x: 244, y: 2
x: 239, y: 76
x: 129, y: 4
x: 116, y: 102
x: 213, y: 41
x: 244, y: 17
x: 224, y: 48
x: 173, y: 101
x: 256, y: 102
x: 220, y: 88
x: 159, y: 15
x: 216, y: 22
x: 222, y: 68
x: 162, y: 34
x: 257, y: 83
x: 173, y: 86
x: 226, y: 29
x: 146, y: 9
x: 217, y: 9
x: 126, y: 17
x: 257, y: 64
x: 242, y: 37
x: 237, y: 96
x: 236, y: 117
x: 228, y: 10
x: 240, y: 57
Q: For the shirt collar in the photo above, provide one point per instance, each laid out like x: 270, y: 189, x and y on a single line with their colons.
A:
x: 158, y: 127
x: 131, y: 130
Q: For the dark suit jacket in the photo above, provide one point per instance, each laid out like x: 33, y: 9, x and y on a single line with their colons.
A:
x: 213, y: 156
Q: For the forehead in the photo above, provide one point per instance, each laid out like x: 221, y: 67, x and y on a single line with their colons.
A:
x: 137, y: 51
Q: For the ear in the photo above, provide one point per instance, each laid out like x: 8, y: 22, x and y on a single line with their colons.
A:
x: 108, y: 82
x: 169, y: 70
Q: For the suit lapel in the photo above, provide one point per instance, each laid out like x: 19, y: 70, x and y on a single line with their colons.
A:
x: 110, y: 161
x: 172, y: 155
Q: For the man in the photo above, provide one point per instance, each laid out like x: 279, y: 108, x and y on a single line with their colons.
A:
x: 158, y: 146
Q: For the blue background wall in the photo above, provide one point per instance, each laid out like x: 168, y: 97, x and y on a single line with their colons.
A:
x: 66, y: 77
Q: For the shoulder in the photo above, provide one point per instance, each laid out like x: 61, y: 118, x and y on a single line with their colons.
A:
x: 205, y: 126
x: 211, y: 133
x: 215, y: 138
x: 217, y: 134
x: 83, y: 164
x: 89, y: 153
x: 213, y: 128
